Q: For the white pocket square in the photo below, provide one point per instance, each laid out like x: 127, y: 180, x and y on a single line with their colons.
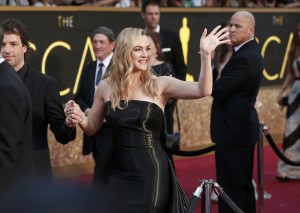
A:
x: 167, y: 49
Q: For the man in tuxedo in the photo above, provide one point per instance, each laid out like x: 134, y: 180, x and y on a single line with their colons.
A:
x: 103, y: 40
x: 44, y: 92
x: 234, y: 120
x: 15, y: 128
x: 170, y: 41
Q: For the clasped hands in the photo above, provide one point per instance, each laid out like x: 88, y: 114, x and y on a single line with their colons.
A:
x: 73, y: 113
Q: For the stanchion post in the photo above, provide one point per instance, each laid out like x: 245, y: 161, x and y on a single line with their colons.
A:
x: 206, y: 187
x: 260, y: 170
x: 206, y: 200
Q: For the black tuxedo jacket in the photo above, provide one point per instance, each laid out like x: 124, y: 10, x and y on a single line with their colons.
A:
x: 16, y: 162
x: 174, y: 54
x: 234, y: 120
x: 47, y: 109
x: 85, y: 98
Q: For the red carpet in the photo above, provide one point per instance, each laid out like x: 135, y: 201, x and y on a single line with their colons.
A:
x: 285, y: 195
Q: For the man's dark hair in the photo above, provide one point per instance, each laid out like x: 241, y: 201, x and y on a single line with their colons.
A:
x: 15, y: 26
x: 146, y: 3
x: 1, y: 35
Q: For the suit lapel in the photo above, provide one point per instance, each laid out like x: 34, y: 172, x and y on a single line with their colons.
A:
x: 250, y: 43
x: 29, y: 80
x: 91, y: 80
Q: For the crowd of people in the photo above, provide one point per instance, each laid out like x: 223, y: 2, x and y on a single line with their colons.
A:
x: 123, y: 99
x: 162, y: 3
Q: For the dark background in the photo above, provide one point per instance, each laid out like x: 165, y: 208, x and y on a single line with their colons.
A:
x: 65, y: 61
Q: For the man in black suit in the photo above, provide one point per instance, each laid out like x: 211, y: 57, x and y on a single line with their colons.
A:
x: 15, y: 128
x: 44, y: 92
x: 170, y: 41
x: 234, y: 120
x: 103, y: 40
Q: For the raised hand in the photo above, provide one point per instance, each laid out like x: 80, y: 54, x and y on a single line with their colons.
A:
x: 208, y: 43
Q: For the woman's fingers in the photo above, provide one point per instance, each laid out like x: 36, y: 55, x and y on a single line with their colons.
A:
x: 214, y: 31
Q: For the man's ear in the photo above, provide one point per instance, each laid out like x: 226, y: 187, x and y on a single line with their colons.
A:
x: 113, y: 44
x: 24, y: 48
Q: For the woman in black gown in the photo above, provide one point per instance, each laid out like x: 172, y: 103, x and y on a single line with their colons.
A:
x: 138, y: 177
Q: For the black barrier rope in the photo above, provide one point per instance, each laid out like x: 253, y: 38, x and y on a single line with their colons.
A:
x: 190, y: 153
x: 230, y: 203
x: 276, y: 149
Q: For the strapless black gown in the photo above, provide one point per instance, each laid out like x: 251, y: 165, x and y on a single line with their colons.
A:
x: 138, y: 175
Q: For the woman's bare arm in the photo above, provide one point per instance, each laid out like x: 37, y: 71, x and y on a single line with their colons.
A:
x: 174, y: 88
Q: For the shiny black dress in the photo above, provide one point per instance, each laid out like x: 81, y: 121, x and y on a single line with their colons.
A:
x: 138, y: 175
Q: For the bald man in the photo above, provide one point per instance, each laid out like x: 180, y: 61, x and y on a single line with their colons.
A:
x: 234, y: 120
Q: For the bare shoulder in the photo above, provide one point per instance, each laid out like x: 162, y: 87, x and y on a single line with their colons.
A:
x: 104, y: 83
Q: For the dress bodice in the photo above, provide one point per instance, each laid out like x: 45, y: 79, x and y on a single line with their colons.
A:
x: 138, y: 172
x: 139, y: 122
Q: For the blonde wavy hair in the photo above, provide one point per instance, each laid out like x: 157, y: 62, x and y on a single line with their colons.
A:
x: 120, y: 72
